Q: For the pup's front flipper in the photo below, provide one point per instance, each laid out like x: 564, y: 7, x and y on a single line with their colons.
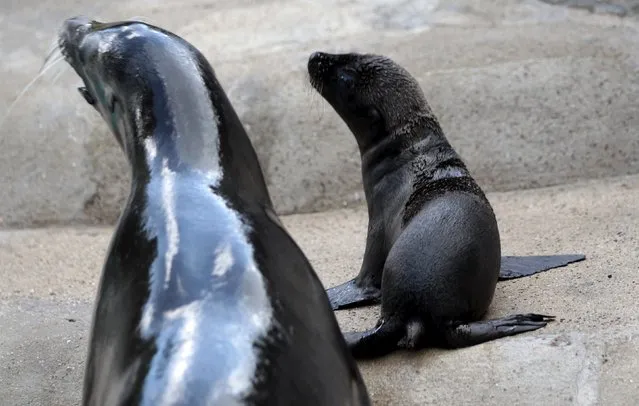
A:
x: 520, y: 266
x: 349, y: 295
x: 469, y: 334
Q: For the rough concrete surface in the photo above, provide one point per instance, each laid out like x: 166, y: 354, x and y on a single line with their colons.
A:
x: 588, y: 356
x: 535, y: 82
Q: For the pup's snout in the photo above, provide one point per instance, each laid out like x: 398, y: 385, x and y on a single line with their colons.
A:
x: 315, y: 62
x: 316, y: 58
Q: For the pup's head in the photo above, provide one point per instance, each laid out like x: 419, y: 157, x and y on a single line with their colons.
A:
x: 374, y: 95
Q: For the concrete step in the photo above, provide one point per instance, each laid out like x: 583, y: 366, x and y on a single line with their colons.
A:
x: 621, y: 8
x: 48, y: 279
x: 530, y: 94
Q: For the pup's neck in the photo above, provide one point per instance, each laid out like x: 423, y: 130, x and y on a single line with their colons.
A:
x: 403, y: 143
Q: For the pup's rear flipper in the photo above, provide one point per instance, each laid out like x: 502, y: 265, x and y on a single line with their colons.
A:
x: 517, y: 267
x: 349, y: 294
x: 469, y: 334
x: 376, y: 342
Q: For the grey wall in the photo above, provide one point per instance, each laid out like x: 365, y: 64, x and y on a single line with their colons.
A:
x: 526, y: 105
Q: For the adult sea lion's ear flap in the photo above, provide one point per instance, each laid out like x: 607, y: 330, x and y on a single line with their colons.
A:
x: 513, y: 267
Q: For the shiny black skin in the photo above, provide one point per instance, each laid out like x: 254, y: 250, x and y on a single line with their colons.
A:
x: 304, y: 358
x: 433, y: 250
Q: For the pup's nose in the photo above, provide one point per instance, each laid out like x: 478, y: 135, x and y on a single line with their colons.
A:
x: 316, y: 57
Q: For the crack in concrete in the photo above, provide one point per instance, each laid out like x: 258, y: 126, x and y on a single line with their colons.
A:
x: 617, y: 8
x: 587, y: 391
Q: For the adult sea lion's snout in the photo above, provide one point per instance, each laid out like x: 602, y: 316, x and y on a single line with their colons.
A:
x: 70, y: 36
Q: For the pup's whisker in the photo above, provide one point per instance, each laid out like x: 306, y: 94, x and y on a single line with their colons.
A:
x: 316, y: 104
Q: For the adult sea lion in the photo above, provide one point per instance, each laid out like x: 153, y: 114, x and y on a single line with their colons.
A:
x: 433, y: 251
x: 204, y: 297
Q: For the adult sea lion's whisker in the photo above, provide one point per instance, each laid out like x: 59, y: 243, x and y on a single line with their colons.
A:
x: 42, y: 72
x: 55, y: 43
x: 63, y: 69
x: 54, y: 51
x: 52, y: 58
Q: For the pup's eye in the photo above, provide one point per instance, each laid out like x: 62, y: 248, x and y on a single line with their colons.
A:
x: 87, y: 96
x: 374, y: 115
x: 347, y: 80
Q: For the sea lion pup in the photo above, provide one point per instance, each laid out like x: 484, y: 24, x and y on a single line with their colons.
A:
x: 433, y: 250
x: 398, y: 172
x: 204, y: 298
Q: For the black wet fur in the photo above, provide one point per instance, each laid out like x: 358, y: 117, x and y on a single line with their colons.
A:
x: 433, y: 250
x: 425, y: 189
